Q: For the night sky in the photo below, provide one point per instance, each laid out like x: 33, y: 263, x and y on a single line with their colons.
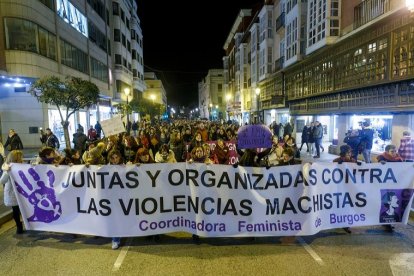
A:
x: 182, y: 41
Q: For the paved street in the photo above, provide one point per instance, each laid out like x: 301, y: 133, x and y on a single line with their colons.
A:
x: 367, y: 251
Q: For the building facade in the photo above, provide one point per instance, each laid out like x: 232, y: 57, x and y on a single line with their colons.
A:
x: 213, y: 103
x: 339, y: 62
x: 96, y: 40
x: 155, y: 91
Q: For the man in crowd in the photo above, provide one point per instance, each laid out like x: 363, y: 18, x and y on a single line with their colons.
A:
x: 367, y: 138
x: 406, y: 149
x: 51, y: 139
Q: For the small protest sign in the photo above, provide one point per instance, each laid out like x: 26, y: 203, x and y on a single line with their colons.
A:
x: 254, y: 136
x: 113, y: 126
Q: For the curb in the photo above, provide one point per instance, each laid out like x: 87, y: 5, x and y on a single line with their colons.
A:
x: 5, y: 217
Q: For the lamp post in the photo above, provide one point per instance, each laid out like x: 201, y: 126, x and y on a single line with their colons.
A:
x: 127, y: 91
x: 257, y: 90
x: 209, y: 111
x: 228, y: 97
x: 152, y: 96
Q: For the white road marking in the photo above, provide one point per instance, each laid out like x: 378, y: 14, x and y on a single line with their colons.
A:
x: 122, y: 255
x: 311, y: 252
x: 402, y: 264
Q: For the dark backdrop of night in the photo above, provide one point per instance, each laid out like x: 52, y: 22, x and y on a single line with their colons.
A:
x: 182, y: 41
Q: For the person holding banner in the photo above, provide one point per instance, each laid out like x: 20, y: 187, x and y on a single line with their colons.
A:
x: 272, y: 156
x: 389, y: 155
x: 288, y: 158
x: 115, y: 158
x: 198, y: 155
x: 165, y: 155
x: 15, y: 156
x: 210, y: 154
x: 48, y: 155
x: 390, y: 199
x: 345, y: 155
x: 143, y: 157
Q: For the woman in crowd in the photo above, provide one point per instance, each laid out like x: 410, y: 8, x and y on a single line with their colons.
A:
x: 222, y: 152
x: 290, y: 144
x: 272, y: 156
x: 93, y: 156
x: 130, y: 148
x: 198, y: 155
x: 345, y: 155
x: 48, y: 155
x: 390, y: 155
x: 143, y: 157
x: 288, y: 158
x: 249, y: 158
x: 165, y: 155
x: 210, y: 154
x: 115, y: 158
x: 177, y: 146
x: 72, y: 157
x: 15, y: 156
x: 197, y: 141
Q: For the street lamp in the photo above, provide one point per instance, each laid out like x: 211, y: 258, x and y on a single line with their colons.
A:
x: 228, y: 97
x: 209, y: 111
x: 257, y: 90
x: 127, y: 91
x: 152, y: 97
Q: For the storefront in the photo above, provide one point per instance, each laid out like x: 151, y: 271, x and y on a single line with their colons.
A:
x: 382, y: 126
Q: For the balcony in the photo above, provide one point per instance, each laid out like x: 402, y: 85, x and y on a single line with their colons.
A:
x: 280, y: 21
x: 368, y: 10
x: 279, y: 64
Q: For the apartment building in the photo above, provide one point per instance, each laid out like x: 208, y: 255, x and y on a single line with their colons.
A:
x: 213, y: 102
x: 96, y: 40
x: 339, y: 62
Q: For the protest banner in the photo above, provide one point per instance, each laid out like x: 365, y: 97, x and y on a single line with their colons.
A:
x: 211, y: 200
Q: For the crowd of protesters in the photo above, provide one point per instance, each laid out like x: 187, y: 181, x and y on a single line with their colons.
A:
x: 186, y: 141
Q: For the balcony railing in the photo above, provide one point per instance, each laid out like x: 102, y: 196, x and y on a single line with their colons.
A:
x: 369, y: 10
x: 279, y: 64
x: 280, y: 21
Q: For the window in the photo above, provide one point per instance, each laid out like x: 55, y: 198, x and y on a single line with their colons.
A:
x: 73, y: 57
x: 99, y: 70
x: 134, y: 54
x: 115, y: 8
x: 27, y: 36
x: 118, y: 59
x: 117, y: 35
x: 122, y: 15
x: 123, y: 40
x: 21, y: 35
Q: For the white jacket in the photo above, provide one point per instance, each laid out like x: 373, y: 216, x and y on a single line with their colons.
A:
x: 9, y: 195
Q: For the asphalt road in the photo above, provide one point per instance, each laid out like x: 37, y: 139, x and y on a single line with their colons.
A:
x: 367, y: 251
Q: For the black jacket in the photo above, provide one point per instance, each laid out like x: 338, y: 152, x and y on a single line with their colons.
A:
x: 13, y: 143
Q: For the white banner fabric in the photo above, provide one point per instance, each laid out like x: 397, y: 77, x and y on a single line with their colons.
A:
x: 212, y: 200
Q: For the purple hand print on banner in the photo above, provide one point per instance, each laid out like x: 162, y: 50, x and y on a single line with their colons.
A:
x: 46, y: 208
